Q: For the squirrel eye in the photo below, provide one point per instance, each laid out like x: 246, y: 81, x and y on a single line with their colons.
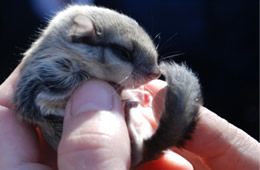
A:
x: 122, y: 52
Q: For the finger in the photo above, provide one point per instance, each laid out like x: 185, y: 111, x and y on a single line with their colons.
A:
x: 154, y: 86
x: 18, y: 144
x: 169, y: 161
x: 95, y: 134
x: 196, y: 161
x: 7, y: 88
x: 222, y: 145
x: 157, y: 88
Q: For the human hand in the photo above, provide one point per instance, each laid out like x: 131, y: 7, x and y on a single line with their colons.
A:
x: 95, y: 135
x: 24, y: 150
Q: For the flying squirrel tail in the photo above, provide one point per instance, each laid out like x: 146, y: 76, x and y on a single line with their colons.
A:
x: 178, y: 119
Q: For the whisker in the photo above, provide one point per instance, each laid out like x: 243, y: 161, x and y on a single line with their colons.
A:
x: 124, y: 79
x: 170, y: 56
x: 165, y: 43
x: 157, y: 37
x: 118, y: 85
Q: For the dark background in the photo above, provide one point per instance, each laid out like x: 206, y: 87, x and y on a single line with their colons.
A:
x: 218, y: 39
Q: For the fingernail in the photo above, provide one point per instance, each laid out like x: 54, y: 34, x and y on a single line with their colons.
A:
x: 92, y: 96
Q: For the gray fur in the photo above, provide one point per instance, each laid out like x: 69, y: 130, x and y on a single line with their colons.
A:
x: 85, y: 42
x: 178, y: 118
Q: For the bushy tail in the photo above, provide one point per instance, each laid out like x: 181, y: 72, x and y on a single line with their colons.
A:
x: 178, y: 119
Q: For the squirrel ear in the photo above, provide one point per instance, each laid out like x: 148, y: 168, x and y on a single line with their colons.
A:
x: 83, y: 30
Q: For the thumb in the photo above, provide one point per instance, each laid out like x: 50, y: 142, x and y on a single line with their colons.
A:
x: 95, y: 135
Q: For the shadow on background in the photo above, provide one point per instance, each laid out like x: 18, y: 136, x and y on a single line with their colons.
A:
x: 218, y: 39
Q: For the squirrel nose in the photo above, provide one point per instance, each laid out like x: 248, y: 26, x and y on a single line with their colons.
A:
x: 155, y: 73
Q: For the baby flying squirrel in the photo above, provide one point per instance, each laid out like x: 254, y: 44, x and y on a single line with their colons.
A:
x: 85, y: 42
